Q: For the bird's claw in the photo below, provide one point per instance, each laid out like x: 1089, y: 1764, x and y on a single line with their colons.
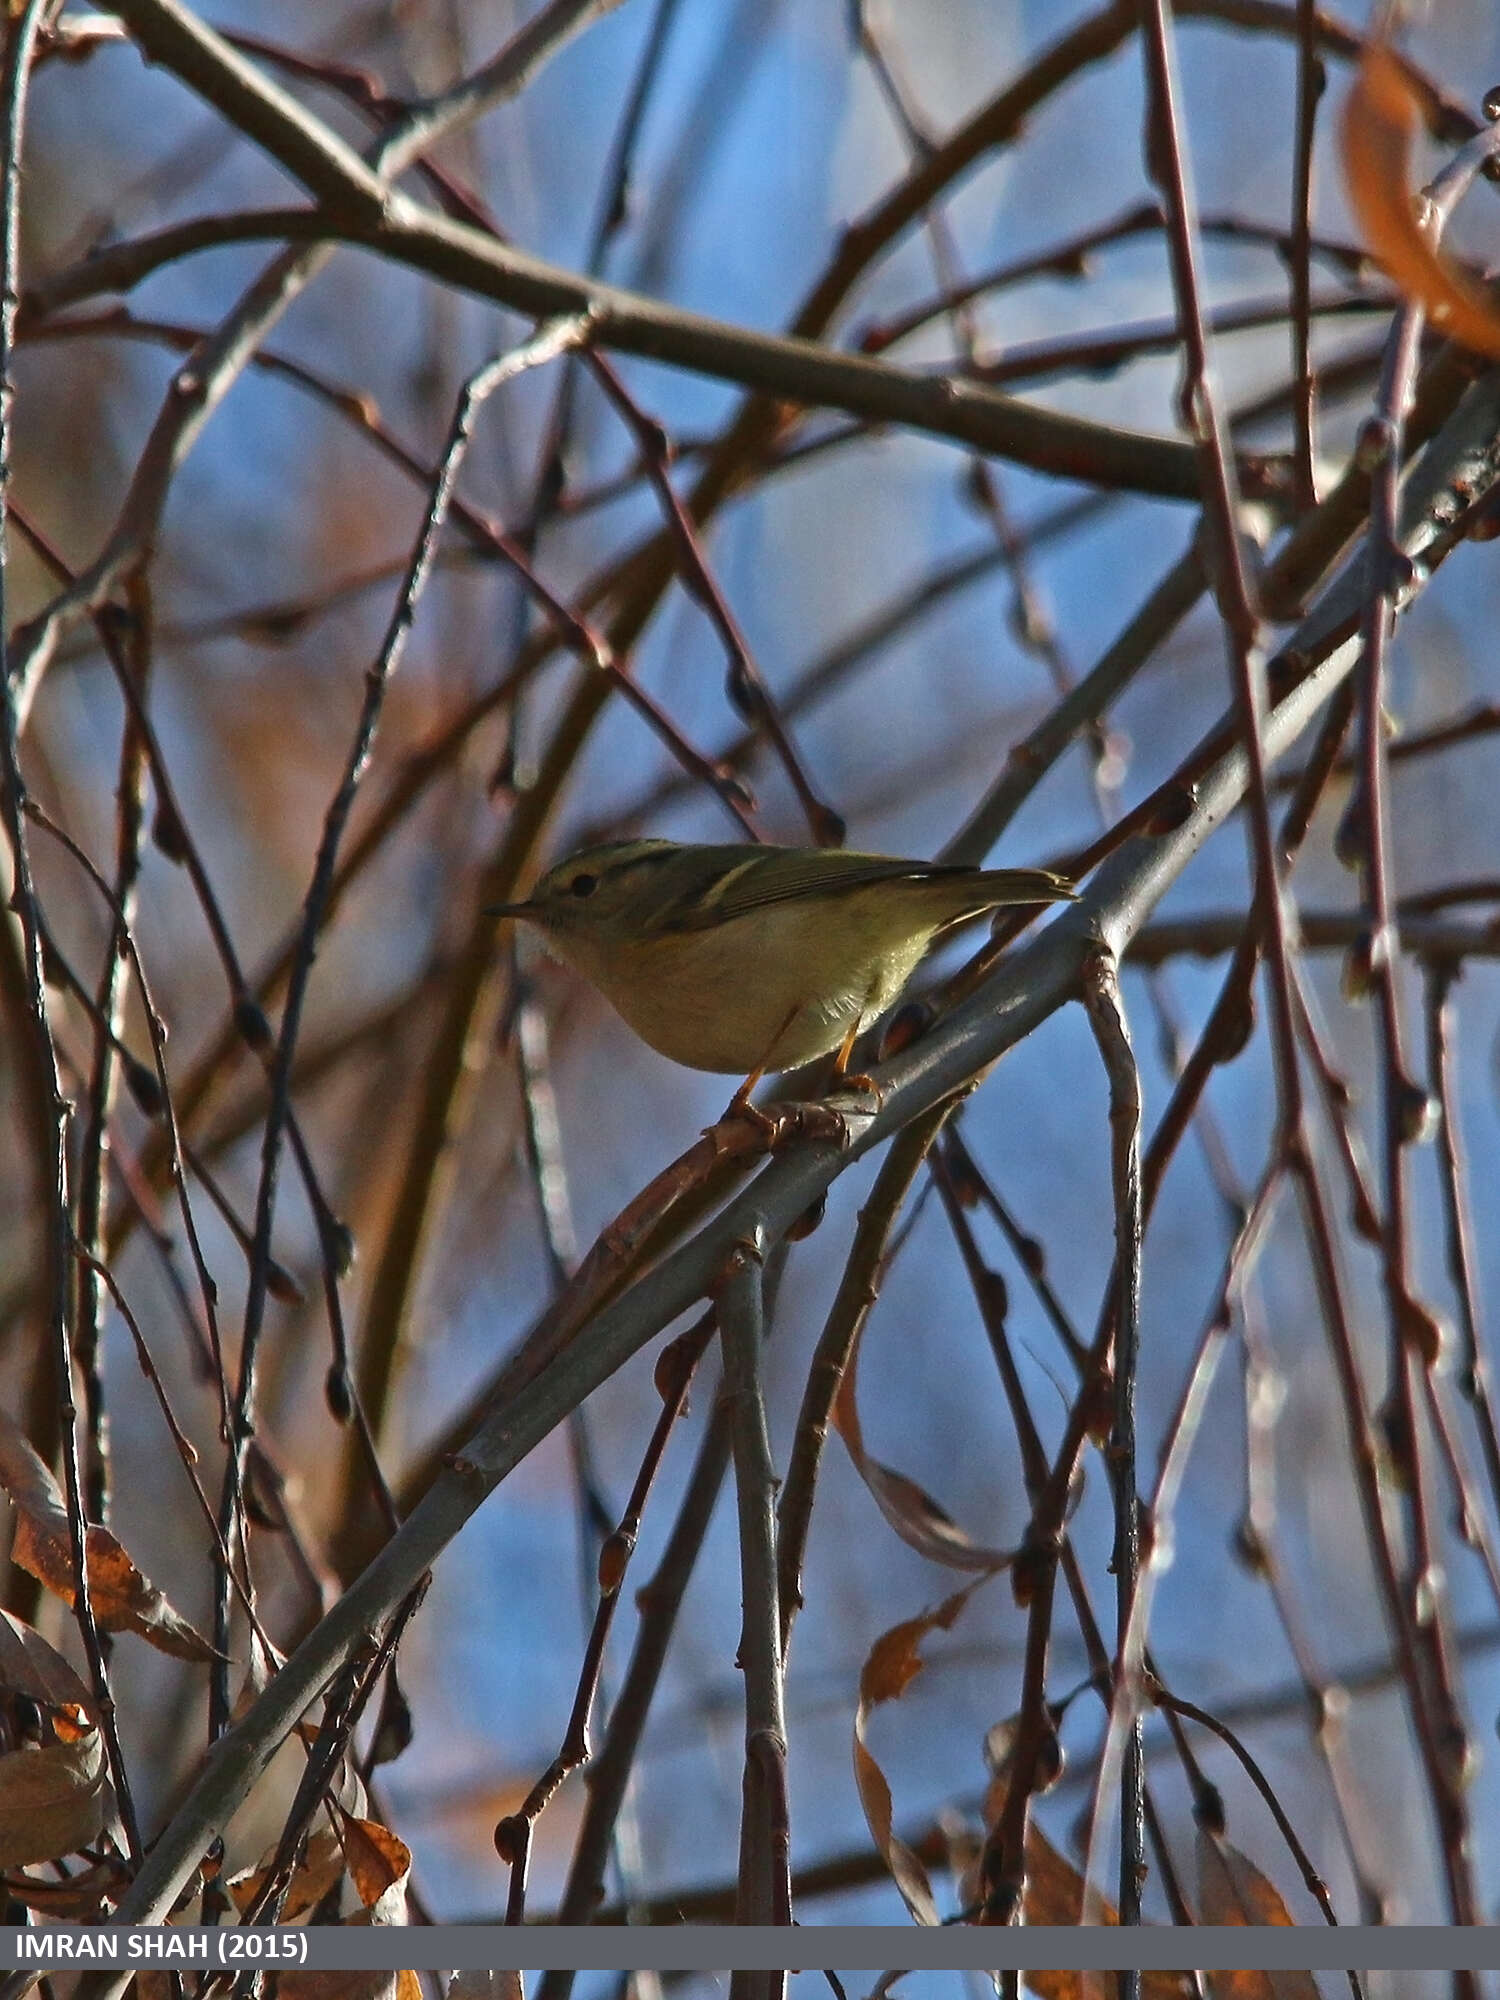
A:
x: 778, y: 1128
x: 767, y: 1124
x: 860, y: 1084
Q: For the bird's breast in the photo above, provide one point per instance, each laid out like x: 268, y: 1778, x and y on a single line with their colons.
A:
x: 775, y: 988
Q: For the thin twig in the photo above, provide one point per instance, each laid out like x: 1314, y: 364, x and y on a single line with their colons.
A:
x: 546, y: 345
x: 765, y: 1836
x: 514, y: 1833
x: 1474, y: 1373
x: 1311, y: 83
x: 1106, y: 1012
x: 52, y: 1170
x: 660, y: 1602
x: 852, y: 1305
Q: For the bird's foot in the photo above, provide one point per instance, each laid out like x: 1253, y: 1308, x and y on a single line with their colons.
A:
x: 858, y: 1084
x: 777, y: 1127
x: 740, y: 1111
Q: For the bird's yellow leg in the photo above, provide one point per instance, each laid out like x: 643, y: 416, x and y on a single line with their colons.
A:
x: 787, y: 1119
x: 841, y: 1079
x: 739, y: 1106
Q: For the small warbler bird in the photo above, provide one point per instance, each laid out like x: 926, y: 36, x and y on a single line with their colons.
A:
x: 748, y: 959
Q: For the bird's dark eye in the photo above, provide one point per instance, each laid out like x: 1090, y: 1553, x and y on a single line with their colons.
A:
x: 584, y: 885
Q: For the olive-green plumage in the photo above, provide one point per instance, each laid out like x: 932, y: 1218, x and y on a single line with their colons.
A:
x: 740, y: 958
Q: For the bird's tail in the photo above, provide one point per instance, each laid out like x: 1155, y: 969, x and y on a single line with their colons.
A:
x: 1025, y: 885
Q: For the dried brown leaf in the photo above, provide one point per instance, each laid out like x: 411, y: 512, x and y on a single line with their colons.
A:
x: 54, y: 1794
x: 1377, y: 133
x: 1054, y: 1887
x: 86, y: 1898
x: 1232, y: 1890
x: 53, y: 1799
x: 1056, y: 1985
x: 321, y: 1866
x: 152, y: 1986
x: 350, y: 1985
x: 377, y: 1861
x: 344, y: 1986
x: 377, y: 1850
x: 916, y: 1517
x: 29, y: 1666
x: 1087, y: 1985
x: 403, y: 1985
x: 377, y: 1864
x: 893, y: 1663
x: 1054, y: 1895
x: 124, y: 1600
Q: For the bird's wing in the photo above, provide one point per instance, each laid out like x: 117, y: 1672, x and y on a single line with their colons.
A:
x: 782, y: 875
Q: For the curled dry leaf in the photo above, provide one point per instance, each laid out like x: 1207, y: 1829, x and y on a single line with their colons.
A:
x: 894, y: 1661
x: 321, y: 1866
x: 916, y: 1517
x: 89, y: 1897
x: 378, y: 1865
x: 54, y: 1796
x: 376, y: 1862
x: 1377, y: 135
x: 348, y: 1985
x: 1232, y: 1890
x: 1054, y: 1895
x: 123, y: 1599
x: 1054, y: 1892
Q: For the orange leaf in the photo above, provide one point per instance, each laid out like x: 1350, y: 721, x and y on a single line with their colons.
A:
x: 891, y: 1666
x: 378, y: 1865
x: 123, y: 1599
x: 1232, y: 1890
x: 1376, y: 134
x: 1054, y: 1895
x: 54, y: 1794
x: 346, y: 1985
x: 321, y: 1866
x: 376, y: 1859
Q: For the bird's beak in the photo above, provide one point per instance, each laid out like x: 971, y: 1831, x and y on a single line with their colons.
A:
x: 524, y: 910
